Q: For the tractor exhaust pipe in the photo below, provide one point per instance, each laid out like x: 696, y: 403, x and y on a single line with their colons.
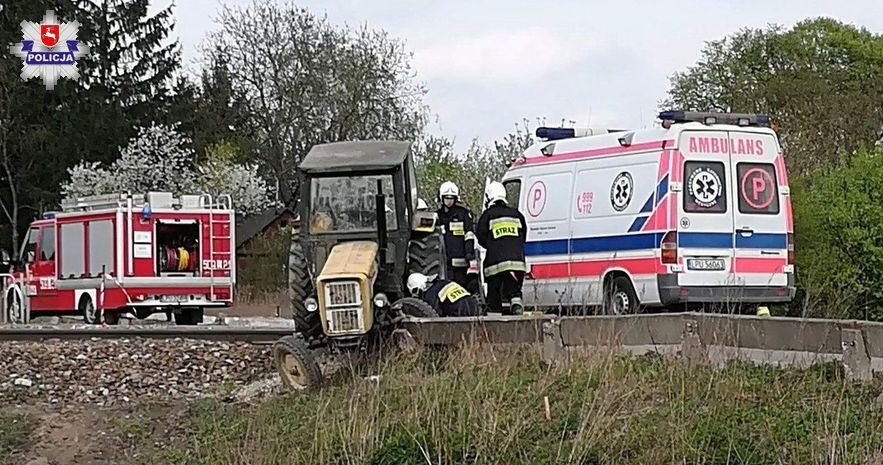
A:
x: 380, y: 204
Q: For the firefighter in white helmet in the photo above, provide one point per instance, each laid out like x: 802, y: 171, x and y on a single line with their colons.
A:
x: 445, y: 296
x: 459, y: 233
x: 502, y: 231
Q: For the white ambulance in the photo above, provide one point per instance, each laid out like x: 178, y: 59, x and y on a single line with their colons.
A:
x: 694, y: 212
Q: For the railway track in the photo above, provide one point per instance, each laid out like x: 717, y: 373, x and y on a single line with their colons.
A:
x: 255, y: 335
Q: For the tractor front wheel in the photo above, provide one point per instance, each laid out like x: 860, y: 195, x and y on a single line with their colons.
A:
x: 415, y: 307
x: 296, y: 365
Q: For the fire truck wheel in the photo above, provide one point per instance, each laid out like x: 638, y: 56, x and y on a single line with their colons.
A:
x: 296, y: 365
x: 189, y: 317
x: 90, y: 314
x: 14, y: 307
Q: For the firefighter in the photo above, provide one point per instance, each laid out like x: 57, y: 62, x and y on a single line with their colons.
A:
x: 502, y: 231
x: 458, y: 229
x: 445, y: 296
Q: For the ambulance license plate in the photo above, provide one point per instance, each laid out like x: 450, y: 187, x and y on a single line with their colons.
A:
x: 174, y: 298
x: 706, y: 264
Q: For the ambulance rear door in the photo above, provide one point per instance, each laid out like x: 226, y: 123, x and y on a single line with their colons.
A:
x: 761, y: 250
x: 705, y: 212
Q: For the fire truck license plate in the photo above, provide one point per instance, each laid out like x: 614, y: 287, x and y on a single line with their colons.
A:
x: 705, y: 264
x: 174, y: 298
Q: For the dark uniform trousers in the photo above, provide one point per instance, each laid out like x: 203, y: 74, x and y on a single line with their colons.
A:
x: 502, y: 232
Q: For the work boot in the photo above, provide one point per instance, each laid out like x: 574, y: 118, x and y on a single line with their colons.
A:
x: 517, y: 306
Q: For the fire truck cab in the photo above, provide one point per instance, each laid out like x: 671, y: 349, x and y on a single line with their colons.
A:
x: 106, y: 255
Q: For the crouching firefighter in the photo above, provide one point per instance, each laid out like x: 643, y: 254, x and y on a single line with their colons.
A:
x: 458, y: 229
x: 502, y: 231
x: 445, y: 296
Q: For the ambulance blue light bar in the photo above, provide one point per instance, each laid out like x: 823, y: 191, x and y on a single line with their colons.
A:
x: 555, y: 133
x: 713, y: 117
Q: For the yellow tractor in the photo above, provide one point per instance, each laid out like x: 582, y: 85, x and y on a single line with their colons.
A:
x: 361, y: 235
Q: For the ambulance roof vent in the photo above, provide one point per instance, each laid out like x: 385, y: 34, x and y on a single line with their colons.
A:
x: 714, y: 117
x: 567, y: 133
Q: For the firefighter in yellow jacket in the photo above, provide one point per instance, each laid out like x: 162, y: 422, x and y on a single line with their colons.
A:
x: 502, y: 231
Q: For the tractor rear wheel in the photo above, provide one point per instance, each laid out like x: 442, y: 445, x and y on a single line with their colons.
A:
x: 415, y: 307
x: 426, y: 254
x: 306, y: 323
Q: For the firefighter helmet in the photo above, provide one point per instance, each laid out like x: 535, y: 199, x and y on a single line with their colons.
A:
x: 448, y: 188
x: 417, y: 282
x: 494, y: 192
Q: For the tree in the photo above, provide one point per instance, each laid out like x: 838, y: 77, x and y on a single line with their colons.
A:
x: 821, y: 82
x: 159, y: 158
x: 128, y: 74
x: 304, y: 82
x: 839, y: 238
x: 437, y: 162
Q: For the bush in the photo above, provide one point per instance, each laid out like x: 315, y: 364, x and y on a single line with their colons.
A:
x: 838, y: 217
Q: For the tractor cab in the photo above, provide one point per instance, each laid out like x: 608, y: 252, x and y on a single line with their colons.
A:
x: 361, y: 235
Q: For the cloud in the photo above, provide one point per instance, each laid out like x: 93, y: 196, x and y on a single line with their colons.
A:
x: 499, y: 56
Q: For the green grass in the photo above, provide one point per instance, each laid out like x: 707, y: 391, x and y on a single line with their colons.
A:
x: 15, y: 433
x: 463, y: 409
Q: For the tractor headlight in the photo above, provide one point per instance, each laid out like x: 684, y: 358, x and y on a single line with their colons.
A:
x: 311, y: 304
x: 380, y: 300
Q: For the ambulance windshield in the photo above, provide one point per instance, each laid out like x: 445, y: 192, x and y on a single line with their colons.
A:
x: 346, y: 204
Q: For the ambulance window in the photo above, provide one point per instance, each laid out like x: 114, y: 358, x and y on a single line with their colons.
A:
x: 513, y: 192
x: 704, y: 187
x: 47, y: 243
x: 758, y: 188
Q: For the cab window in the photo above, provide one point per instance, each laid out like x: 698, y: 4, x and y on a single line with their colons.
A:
x: 47, y: 243
x: 705, y: 187
x: 30, y: 245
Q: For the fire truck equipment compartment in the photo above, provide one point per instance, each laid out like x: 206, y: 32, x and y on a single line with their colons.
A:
x: 177, y: 245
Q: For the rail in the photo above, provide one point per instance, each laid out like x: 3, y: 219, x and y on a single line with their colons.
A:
x: 255, y: 335
x: 703, y: 337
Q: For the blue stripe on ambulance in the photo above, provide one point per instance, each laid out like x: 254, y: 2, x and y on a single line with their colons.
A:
x: 651, y: 241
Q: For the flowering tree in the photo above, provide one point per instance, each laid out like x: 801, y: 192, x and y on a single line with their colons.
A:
x: 159, y: 158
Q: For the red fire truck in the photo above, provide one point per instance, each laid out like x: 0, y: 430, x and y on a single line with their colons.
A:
x: 106, y: 255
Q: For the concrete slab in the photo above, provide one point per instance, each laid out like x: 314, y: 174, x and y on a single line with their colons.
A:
x: 655, y: 329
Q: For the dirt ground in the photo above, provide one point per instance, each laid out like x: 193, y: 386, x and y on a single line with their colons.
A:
x: 253, y: 310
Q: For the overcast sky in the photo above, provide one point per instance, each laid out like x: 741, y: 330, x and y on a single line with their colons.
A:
x: 487, y: 64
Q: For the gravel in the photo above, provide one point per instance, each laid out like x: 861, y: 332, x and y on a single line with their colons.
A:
x: 105, y: 372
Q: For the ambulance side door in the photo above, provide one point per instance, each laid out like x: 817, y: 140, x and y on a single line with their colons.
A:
x: 545, y: 204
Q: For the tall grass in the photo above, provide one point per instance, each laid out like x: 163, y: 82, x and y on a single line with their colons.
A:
x: 477, y: 406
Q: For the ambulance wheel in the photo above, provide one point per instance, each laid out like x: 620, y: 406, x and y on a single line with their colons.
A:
x: 426, y: 254
x: 415, y: 307
x: 296, y: 365
x: 620, y: 297
x: 306, y: 323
